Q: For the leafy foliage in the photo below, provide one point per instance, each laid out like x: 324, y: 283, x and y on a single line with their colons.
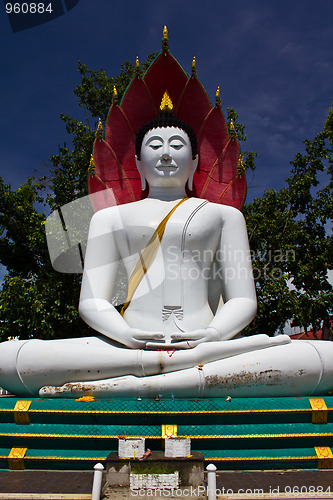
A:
x: 248, y: 157
x: 291, y: 241
x: 34, y: 300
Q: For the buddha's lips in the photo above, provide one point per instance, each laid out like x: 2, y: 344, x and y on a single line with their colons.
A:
x: 166, y: 167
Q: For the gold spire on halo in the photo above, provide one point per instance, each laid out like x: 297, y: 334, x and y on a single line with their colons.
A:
x: 232, y: 129
x: 137, y: 66
x: 165, y: 33
x: 165, y: 40
x: 217, y: 97
x: 99, y: 131
x: 194, y: 68
x: 240, y: 166
x: 92, y: 165
x: 115, y: 95
x: 166, y: 103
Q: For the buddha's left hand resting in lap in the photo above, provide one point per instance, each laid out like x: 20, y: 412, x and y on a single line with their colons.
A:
x: 191, y: 291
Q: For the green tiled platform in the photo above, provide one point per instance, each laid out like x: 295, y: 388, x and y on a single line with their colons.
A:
x: 254, y: 433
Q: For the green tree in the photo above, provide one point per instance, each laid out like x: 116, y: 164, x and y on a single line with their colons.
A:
x: 291, y: 241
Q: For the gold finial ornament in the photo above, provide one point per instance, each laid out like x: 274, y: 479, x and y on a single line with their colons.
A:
x: 165, y: 33
x: 194, y: 68
x: 92, y: 166
x: 166, y: 103
x: 165, y: 40
x: 232, y: 130
x: 240, y: 166
x: 137, y: 66
x: 115, y: 95
x: 99, y: 131
x: 217, y: 97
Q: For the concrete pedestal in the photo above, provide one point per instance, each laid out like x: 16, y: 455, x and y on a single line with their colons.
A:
x: 191, y: 469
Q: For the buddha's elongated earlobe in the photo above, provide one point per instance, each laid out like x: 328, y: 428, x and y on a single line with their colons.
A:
x: 142, y: 177
x: 143, y: 181
x: 190, y: 178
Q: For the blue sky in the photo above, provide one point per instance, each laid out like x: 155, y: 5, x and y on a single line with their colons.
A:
x: 271, y: 58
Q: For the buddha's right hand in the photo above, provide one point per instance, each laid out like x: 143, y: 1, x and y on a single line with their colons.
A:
x: 137, y: 339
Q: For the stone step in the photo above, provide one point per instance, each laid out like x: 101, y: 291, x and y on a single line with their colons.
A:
x: 240, y: 433
x: 253, y: 459
x: 246, y: 410
x: 58, y: 459
x: 231, y: 459
x: 154, y: 432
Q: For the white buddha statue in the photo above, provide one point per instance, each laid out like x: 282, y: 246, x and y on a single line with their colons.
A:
x: 191, y: 291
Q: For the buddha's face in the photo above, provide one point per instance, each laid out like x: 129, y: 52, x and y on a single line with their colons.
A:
x: 166, y: 157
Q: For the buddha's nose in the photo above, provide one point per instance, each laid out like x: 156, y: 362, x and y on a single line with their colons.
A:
x: 166, y: 152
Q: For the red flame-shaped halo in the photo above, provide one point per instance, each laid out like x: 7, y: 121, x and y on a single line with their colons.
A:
x: 115, y: 176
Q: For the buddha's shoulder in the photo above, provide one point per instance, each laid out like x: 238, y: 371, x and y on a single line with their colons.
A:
x: 127, y: 213
x: 224, y: 211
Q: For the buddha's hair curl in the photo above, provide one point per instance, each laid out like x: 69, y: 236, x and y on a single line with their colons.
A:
x: 163, y: 120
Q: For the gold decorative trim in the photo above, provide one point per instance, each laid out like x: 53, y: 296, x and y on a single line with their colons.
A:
x: 16, y: 458
x: 72, y: 436
x: 82, y: 459
x: 253, y: 459
x: 169, y: 431
x: 319, y: 411
x: 260, y: 436
x: 325, y: 457
x: 138, y: 412
x: 21, y: 414
x: 49, y: 457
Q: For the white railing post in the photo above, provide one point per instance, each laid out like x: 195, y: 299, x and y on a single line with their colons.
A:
x: 211, y: 482
x: 97, y: 482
